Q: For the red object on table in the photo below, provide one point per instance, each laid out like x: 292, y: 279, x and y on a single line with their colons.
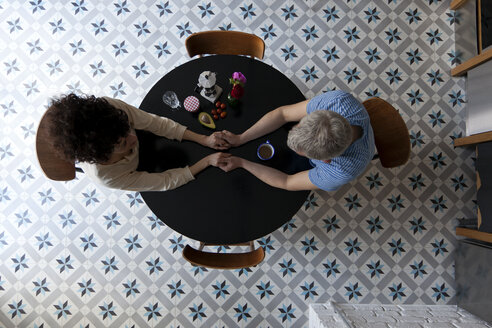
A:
x: 191, y: 104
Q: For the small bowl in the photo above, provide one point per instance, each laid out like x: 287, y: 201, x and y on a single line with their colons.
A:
x: 265, y: 151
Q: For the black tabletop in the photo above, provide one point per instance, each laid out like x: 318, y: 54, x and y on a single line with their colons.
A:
x: 219, y: 207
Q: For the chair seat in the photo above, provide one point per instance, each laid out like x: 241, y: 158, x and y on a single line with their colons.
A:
x: 225, y: 43
x: 223, y: 260
x: 390, y: 133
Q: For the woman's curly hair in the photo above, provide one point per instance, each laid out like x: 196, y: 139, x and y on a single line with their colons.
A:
x: 86, y: 128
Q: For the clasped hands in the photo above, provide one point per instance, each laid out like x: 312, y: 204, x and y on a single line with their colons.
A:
x: 223, y: 140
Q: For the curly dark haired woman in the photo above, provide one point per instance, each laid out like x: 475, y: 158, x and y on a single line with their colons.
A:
x: 99, y: 133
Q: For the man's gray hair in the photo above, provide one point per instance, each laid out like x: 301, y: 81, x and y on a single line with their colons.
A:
x: 321, y: 135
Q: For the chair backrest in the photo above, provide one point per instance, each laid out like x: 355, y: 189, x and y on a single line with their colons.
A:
x: 225, y: 43
x: 390, y: 133
x: 51, y: 164
x: 227, y: 261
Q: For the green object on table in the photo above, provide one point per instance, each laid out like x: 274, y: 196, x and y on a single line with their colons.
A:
x: 233, y: 102
x: 206, y: 120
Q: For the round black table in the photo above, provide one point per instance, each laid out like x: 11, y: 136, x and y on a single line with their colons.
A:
x: 219, y: 207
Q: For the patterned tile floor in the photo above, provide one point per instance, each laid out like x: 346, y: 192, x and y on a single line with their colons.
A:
x: 79, y: 255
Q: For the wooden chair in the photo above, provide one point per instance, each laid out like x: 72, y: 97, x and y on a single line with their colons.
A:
x: 390, y: 133
x: 226, y: 261
x: 225, y: 43
x: 52, y: 166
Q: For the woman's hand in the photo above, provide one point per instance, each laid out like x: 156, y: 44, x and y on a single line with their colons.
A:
x: 233, y: 140
x: 218, y: 159
x: 230, y: 163
x: 216, y: 141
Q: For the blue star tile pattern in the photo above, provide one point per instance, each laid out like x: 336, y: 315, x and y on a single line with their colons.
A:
x: 397, y: 291
x: 17, y: 309
x: 248, y: 11
x: 393, y: 35
x: 65, y: 264
x: 62, y: 309
x: 198, y: 312
x: 353, y: 246
x: 131, y: 288
x: 440, y: 292
x: 112, y: 220
x: 417, y: 225
x: 331, y: 54
x: 374, y: 181
x: 109, y: 246
x: 242, y: 312
x: 287, y: 313
x: 331, y: 268
x: 86, y: 287
x: 309, y: 245
x: 133, y: 243
x: 309, y: 290
x: 396, y: 247
x: 176, y: 289
x: 331, y: 14
x: 265, y: 290
x: 287, y: 267
x: 372, y: 15
x: 310, y: 33
x: 331, y: 224
x: 43, y: 240
x: 353, y: 291
x: 434, y: 36
x: 41, y: 286
x: 289, y: 52
x: 267, y: 244
x: 220, y: 289
x: 289, y: 12
x: 374, y: 224
x: 418, y: 269
x: 20, y: 262
x: 375, y: 269
x: 154, y: 265
x: 107, y: 310
x: 110, y: 265
x: 152, y: 311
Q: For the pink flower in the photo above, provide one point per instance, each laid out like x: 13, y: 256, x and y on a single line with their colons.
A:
x: 239, y: 77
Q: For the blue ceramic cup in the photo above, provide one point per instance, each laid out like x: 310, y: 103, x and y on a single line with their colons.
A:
x: 265, y: 151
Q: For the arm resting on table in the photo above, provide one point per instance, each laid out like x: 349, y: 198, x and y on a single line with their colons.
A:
x: 216, y: 159
x: 144, y: 181
x: 271, y: 121
x: 271, y: 176
x: 214, y: 140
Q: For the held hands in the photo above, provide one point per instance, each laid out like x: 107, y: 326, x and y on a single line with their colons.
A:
x: 218, y: 159
x: 216, y: 141
x: 230, y: 163
x: 233, y: 140
x: 222, y: 140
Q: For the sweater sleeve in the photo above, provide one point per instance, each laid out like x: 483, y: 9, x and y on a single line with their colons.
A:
x: 118, y: 178
x: 141, y: 120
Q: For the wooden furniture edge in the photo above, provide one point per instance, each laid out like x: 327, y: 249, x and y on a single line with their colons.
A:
x: 474, y: 234
x: 473, y: 139
x: 456, y: 4
x: 471, y: 63
x: 479, y: 26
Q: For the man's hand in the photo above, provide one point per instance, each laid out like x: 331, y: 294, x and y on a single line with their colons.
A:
x: 216, y: 141
x: 233, y: 140
x: 218, y: 159
x: 230, y: 163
